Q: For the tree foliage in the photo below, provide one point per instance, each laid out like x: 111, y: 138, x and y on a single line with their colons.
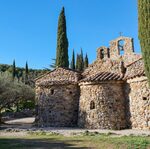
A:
x: 86, y: 61
x: 26, y: 73
x: 12, y: 91
x: 20, y: 73
x: 80, y: 61
x: 53, y: 65
x: 144, y: 32
x: 79, y: 65
x: 72, y: 65
x: 26, y: 69
x: 14, y: 70
x: 62, y: 42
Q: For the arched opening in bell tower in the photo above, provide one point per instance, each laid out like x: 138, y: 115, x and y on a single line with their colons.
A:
x: 121, y: 44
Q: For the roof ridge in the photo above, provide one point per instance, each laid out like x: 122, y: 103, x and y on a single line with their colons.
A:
x: 103, y: 76
x: 134, y: 62
x: 75, y: 71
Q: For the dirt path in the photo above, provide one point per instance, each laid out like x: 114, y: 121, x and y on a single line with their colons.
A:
x: 22, y: 126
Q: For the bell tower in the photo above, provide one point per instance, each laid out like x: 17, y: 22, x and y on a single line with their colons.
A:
x: 103, y: 52
x: 121, y: 46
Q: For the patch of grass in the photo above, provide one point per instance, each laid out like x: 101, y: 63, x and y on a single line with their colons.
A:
x: 49, y: 140
x: 42, y: 133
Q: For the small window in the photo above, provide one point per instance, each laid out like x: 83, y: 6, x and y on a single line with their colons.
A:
x: 102, y: 53
x: 144, y: 98
x: 70, y: 92
x: 92, y: 105
x: 52, y: 91
x: 108, y: 53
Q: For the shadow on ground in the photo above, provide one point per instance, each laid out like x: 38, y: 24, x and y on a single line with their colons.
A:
x: 39, y: 144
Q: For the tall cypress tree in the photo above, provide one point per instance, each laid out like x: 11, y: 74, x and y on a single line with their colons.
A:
x: 72, y: 65
x: 14, y: 70
x: 26, y: 71
x: 82, y: 59
x: 144, y: 32
x: 79, y: 64
x: 86, y: 61
x: 62, y: 42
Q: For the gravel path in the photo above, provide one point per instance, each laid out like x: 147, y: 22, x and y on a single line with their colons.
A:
x: 20, y: 127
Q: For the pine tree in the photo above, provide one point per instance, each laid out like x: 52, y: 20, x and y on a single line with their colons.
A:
x: 72, y: 65
x: 62, y: 42
x: 86, y: 62
x: 14, y: 70
x: 144, y: 32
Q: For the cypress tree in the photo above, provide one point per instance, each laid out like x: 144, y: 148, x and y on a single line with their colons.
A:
x: 86, y: 61
x: 26, y: 69
x: 72, y: 65
x: 62, y: 42
x: 14, y: 70
x: 82, y: 60
x: 79, y: 64
x: 26, y: 73
x: 20, y: 74
x: 144, y: 32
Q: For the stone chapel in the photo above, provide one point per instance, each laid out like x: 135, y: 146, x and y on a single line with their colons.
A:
x: 112, y: 93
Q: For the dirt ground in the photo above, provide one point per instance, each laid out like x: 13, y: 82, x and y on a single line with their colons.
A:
x: 23, y: 125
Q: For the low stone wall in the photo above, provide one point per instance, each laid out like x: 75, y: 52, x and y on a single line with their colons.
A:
x: 138, y: 93
x: 102, y: 106
x: 57, y: 105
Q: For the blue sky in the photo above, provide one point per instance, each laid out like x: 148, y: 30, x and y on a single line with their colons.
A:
x: 28, y: 28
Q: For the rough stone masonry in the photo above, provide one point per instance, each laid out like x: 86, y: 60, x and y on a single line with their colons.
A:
x: 112, y: 93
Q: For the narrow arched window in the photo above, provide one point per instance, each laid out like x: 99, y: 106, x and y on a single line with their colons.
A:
x: 108, y: 53
x: 92, y: 105
x: 102, y: 53
x: 52, y: 91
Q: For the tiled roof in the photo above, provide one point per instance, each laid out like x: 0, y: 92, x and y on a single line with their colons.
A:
x: 50, y: 82
x: 137, y: 74
x: 59, y: 76
x: 59, y: 68
x: 135, y: 69
x: 103, y: 76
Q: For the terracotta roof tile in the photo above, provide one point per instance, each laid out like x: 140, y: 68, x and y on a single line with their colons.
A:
x: 59, y: 76
x: 103, y: 76
x: 135, y: 69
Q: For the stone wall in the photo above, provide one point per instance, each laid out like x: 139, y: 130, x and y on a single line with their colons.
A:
x: 57, y: 105
x: 138, y: 93
x: 102, y: 106
x: 102, y: 52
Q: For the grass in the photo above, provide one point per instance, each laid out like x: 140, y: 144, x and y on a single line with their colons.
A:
x: 43, y: 140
